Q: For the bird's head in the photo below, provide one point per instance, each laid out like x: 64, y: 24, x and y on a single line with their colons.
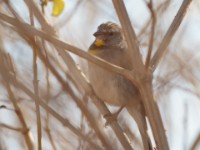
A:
x: 108, y: 34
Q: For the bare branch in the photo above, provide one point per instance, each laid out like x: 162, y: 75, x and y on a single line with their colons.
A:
x: 129, y: 34
x: 6, y: 61
x: 63, y: 45
x: 151, y: 39
x: 144, y: 83
x: 170, y: 34
x: 195, y: 143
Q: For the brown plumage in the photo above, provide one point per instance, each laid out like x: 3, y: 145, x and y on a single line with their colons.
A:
x: 110, y: 87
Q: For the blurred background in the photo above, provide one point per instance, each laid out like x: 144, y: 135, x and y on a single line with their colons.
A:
x: 176, y: 81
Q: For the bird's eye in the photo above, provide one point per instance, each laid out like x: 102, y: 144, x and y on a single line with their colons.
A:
x: 111, y: 33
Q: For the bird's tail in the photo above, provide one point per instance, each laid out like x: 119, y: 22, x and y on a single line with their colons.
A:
x: 138, y: 114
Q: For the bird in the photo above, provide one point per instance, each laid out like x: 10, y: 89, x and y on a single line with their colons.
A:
x: 114, y: 89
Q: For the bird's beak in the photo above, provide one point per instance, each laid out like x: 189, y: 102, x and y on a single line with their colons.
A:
x: 100, y: 38
x: 97, y: 33
x: 100, y: 35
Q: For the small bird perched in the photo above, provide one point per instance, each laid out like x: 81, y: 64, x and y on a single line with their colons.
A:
x: 112, y: 88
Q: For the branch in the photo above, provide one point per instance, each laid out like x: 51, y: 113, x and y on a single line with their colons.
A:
x: 35, y: 85
x: 58, y: 43
x: 5, y: 64
x: 129, y: 33
x: 144, y: 83
x: 152, y: 32
x: 169, y: 35
x: 64, y: 121
x: 102, y: 106
x: 195, y: 143
x: 79, y: 103
x: 80, y: 79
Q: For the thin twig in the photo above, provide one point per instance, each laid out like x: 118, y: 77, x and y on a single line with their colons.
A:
x: 18, y: 129
x: 169, y: 35
x: 104, y: 110
x: 64, y: 121
x: 35, y: 85
x: 5, y: 63
x: 79, y: 103
x: 151, y: 39
x: 81, y: 80
x: 48, y: 131
x: 34, y: 32
x: 195, y: 143
x: 129, y: 34
x: 144, y: 83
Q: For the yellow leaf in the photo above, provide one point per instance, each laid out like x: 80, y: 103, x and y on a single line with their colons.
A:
x: 58, y: 7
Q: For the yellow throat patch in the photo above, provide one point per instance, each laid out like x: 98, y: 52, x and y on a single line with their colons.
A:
x: 98, y: 43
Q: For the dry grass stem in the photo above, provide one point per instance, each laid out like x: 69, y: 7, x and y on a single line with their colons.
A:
x: 48, y: 96
x: 145, y: 82
x: 170, y: 34
x: 5, y: 64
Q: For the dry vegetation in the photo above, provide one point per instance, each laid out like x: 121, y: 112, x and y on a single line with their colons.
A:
x: 46, y: 102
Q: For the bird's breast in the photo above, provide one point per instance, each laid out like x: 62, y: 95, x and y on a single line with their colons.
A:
x: 106, y: 85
